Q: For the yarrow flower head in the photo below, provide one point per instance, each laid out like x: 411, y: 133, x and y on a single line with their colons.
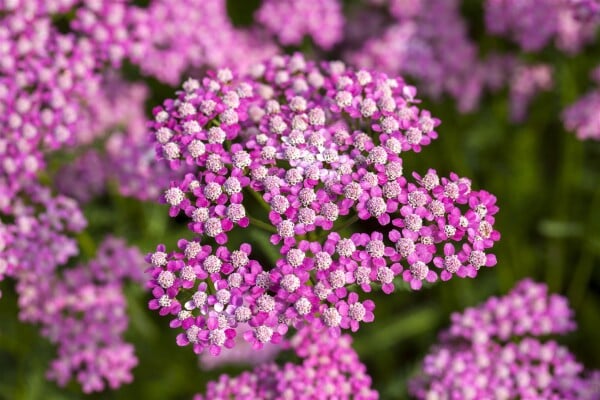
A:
x: 534, y: 23
x: 291, y: 20
x: 477, y: 357
x: 303, y: 151
x: 83, y: 311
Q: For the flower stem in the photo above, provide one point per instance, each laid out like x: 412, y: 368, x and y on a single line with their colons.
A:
x: 259, y: 199
x: 259, y: 224
x: 346, y: 224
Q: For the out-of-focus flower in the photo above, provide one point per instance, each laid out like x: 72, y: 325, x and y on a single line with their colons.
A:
x: 534, y: 23
x: 329, y: 369
x: 291, y: 20
x: 477, y: 358
x: 83, y: 311
x: 525, y: 82
x: 583, y: 116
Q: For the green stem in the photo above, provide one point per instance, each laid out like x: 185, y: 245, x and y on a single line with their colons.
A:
x: 264, y: 226
x: 259, y: 199
x: 86, y: 244
x: 583, y: 272
x: 346, y: 224
x: 585, y: 268
x: 340, y: 227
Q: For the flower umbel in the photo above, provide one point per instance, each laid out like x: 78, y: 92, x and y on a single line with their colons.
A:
x: 477, y: 357
x: 303, y: 151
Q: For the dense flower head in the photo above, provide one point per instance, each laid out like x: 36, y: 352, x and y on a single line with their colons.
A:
x: 477, y: 357
x: 83, y: 311
x: 173, y: 39
x: 318, y: 147
x: 328, y: 369
x: 291, y: 20
x: 534, y: 23
x: 528, y: 309
x: 35, y: 232
x: 43, y: 77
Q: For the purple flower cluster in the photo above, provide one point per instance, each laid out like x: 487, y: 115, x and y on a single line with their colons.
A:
x: 583, y: 116
x: 477, y: 359
x: 194, y: 33
x: 83, y: 311
x: 417, y: 44
x: 34, y: 232
x: 318, y: 147
x: 44, y: 76
x: 329, y: 369
x: 118, y: 120
x: 525, y: 82
x: 291, y: 20
x: 534, y: 23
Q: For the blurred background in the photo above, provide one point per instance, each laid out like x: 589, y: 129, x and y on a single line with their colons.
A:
x: 547, y: 182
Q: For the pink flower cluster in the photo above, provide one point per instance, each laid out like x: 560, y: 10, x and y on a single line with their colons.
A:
x: 476, y: 357
x: 417, y: 39
x: 583, y: 116
x: 291, y: 20
x: 116, y: 119
x: 304, y: 150
x: 44, y: 76
x: 534, y: 23
x: 35, y: 236
x: 329, y: 369
x: 83, y: 311
x: 417, y: 44
x: 170, y: 39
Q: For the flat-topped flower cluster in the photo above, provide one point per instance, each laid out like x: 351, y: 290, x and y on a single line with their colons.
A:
x: 83, y: 310
x: 495, y: 351
x: 319, y: 147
